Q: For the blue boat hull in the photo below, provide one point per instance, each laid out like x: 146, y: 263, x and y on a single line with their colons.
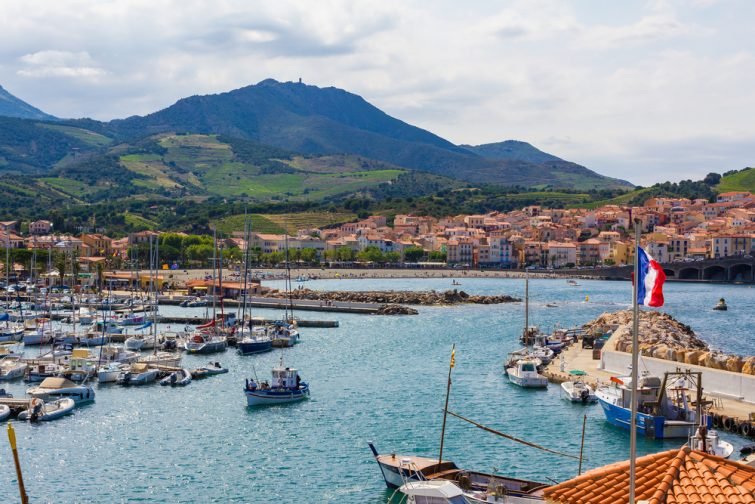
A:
x: 249, y: 348
x: 655, y: 427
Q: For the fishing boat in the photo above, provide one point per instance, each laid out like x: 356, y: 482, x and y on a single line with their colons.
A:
x: 179, y: 378
x: 137, y: 374
x: 40, y: 411
x: 524, y: 373
x: 663, y: 408
x: 38, y: 372
x: 721, y: 306
x: 4, y: 412
x: 60, y: 388
x: 709, y: 441
x: 286, y: 387
x: 578, y: 391
x: 477, y: 487
x: 211, y: 369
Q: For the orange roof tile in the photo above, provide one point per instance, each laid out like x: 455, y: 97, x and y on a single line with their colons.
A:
x: 670, y: 477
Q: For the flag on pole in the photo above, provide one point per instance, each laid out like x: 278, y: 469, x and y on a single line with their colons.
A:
x: 453, y: 358
x: 651, y: 278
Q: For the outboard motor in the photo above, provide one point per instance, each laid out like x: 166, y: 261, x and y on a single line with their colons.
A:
x: 584, y: 396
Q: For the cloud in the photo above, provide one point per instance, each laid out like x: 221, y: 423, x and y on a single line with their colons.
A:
x: 646, y: 30
x: 53, y: 63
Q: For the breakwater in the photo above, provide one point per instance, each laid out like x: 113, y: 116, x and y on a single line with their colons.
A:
x: 449, y: 297
x: 663, y: 337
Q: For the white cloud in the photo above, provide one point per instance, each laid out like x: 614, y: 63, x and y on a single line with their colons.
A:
x: 53, y: 63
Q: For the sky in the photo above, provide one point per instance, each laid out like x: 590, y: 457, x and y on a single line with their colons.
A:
x: 647, y: 91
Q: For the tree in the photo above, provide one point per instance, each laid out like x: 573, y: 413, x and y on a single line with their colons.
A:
x: 413, y: 254
x: 437, y: 256
x: 712, y: 179
x: 370, y: 254
x: 345, y: 254
x: 309, y: 255
x: 392, y: 257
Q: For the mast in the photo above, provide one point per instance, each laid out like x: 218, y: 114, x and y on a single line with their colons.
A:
x: 445, y: 408
x: 214, y: 265
x: 247, y: 234
x: 290, y: 305
x: 154, y: 291
x: 635, y: 358
x: 526, y: 306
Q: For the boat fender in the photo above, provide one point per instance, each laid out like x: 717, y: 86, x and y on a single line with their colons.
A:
x: 727, y: 422
x: 745, y: 428
x: 716, y: 420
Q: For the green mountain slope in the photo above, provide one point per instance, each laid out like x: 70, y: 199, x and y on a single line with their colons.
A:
x: 743, y: 180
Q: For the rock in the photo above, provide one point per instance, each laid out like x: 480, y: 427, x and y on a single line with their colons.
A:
x: 748, y: 366
x: 394, y: 309
x: 734, y: 364
x: 692, y: 356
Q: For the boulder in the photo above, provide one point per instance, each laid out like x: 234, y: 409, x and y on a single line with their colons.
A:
x: 748, y: 366
x: 734, y: 364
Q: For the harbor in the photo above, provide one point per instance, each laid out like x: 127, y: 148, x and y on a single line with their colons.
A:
x: 361, y: 390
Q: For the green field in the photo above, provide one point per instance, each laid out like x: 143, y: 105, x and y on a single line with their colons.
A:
x: 260, y: 224
x: 740, y: 181
x: 280, y: 223
x: 86, y: 136
x: 71, y: 187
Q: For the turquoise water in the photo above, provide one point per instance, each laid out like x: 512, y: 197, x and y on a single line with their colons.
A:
x: 374, y: 378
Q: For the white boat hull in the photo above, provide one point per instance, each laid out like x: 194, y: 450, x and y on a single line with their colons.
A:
x: 50, y: 411
x: 262, y: 397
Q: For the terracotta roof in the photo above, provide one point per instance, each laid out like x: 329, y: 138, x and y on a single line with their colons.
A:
x: 670, y: 477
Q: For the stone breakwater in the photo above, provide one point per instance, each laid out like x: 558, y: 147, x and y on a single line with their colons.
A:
x: 663, y: 337
x: 448, y: 297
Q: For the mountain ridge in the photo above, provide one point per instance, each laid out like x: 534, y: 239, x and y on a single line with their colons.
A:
x: 12, y: 106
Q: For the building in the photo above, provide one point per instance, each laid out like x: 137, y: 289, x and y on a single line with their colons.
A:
x: 562, y: 254
x: 40, y: 227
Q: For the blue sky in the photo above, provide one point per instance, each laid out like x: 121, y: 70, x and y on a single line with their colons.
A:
x: 645, y: 91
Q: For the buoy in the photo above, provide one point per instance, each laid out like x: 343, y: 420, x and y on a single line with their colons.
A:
x: 587, y: 299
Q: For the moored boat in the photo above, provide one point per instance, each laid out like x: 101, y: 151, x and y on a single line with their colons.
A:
x: 578, y: 391
x: 4, y: 412
x: 179, y: 378
x: 137, y: 374
x: 436, y: 492
x: 524, y: 373
x: 11, y: 369
x: 205, y: 343
x: 61, y: 388
x: 710, y: 442
x: 658, y: 415
x: 254, y: 340
x: 211, y: 369
x: 109, y: 372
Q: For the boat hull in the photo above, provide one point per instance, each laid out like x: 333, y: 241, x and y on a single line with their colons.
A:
x: 655, y: 427
x: 276, y: 396
x: 254, y: 347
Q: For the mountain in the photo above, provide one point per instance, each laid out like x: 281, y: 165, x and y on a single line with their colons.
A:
x: 512, y: 149
x: 312, y: 120
x: 10, y: 106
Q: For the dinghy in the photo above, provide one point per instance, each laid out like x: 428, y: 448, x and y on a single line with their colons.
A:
x: 579, y: 392
x: 179, y: 378
x: 137, y: 374
x: 212, y: 368
x: 40, y: 411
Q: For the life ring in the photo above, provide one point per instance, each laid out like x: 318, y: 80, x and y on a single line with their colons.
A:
x: 745, y: 428
x: 727, y: 422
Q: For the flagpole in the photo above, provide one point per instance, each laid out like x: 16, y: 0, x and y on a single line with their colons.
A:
x: 445, y: 409
x: 635, y: 358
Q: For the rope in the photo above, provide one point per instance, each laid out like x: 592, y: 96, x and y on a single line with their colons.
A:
x: 507, y: 436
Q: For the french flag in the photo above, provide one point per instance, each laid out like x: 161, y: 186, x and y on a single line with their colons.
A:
x: 650, y: 288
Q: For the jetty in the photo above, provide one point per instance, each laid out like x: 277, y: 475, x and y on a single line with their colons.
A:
x: 196, y: 319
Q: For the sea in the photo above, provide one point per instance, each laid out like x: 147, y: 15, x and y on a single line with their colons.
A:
x: 374, y: 378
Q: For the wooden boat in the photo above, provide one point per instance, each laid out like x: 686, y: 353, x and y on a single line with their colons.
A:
x: 286, y: 387
x: 578, y: 391
x: 476, y: 486
x: 40, y: 411
x: 60, y: 388
x: 179, y: 378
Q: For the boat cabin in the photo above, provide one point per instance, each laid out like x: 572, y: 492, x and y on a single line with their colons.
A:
x: 286, y: 378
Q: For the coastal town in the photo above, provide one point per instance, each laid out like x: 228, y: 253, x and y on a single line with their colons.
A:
x: 673, y: 229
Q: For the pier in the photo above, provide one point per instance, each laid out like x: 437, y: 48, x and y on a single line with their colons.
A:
x: 255, y: 321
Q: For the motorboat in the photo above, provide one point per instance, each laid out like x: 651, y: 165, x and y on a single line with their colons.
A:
x: 11, y: 369
x: 205, y: 343
x: 179, y: 378
x: 38, y: 372
x: 286, y: 387
x: 721, y: 306
x: 253, y: 341
x: 60, y: 388
x: 139, y: 342
x: 578, y: 391
x: 81, y: 365
x: 211, y: 369
x: 40, y: 336
x: 110, y: 372
x: 133, y: 319
x: 435, y: 492
x: 524, y: 373
x: 708, y: 441
x: 118, y: 354
x: 283, y: 334
x: 105, y: 327
x: 195, y: 303
x: 40, y: 411
x: 11, y: 332
x: 137, y: 374
x: 4, y: 412
x: 477, y: 487
x: 663, y: 407
x: 573, y: 283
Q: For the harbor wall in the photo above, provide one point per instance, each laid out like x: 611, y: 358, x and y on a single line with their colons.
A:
x: 716, y: 382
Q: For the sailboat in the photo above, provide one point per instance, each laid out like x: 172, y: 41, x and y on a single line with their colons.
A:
x: 208, y: 338
x: 521, y: 366
x: 253, y: 340
x: 285, y: 333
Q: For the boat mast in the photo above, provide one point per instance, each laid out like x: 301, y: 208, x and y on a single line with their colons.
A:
x: 635, y: 358
x: 247, y: 235
x: 445, y: 408
x: 526, y: 306
x: 214, y: 266
x: 290, y: 305
x: 154, y: 307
